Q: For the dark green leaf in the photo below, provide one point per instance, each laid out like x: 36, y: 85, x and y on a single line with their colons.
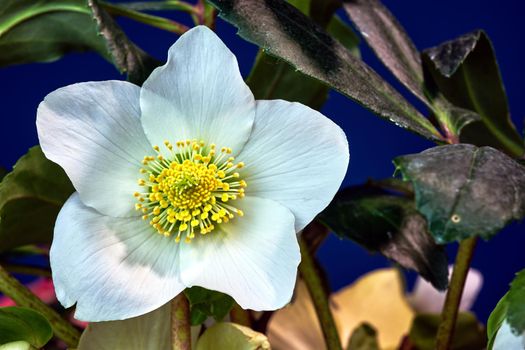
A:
x: 272, y: 78
x: 3, y: 173
x: 465, y: 71
x: 23, y: 324
x: 496, y: 319
x: 468, y: 334
x: 322, y: 11
x: 43, y: 31
x: 128, y: 58
x: 30, y: 199
x: 364, y: 337
x: 205, y: 303
x: 516, y: 303
x: 452, y: 118
x: 285, y: 32
x: 390, y: 42
x: 387, y: 223
x: 465, y: 191
x: 344, y: 34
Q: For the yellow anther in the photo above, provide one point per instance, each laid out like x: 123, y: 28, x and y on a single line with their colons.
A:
x: 188, y: 189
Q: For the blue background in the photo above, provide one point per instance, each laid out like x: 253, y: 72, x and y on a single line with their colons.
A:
x: 373, y: 141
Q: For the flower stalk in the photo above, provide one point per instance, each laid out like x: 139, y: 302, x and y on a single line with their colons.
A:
x: 180, y: 323
x: 240, y: 316
x: 152, y: 20
x: 313, y: 283
x: 455, y: 290
x: 23, y: 297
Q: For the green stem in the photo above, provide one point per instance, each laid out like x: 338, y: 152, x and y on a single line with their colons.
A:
x: 180, y: 323
x: 168, y: 5
x: 313, y: 283
x: 23, y: 297
x: 27, y: 270
x: 154, y: 21
x: 455, y: 291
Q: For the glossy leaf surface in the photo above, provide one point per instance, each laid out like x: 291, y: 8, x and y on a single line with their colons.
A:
x: 465, y: 191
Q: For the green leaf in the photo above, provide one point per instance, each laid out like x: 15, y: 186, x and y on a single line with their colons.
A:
x: 30, y: 199
x: 496, y: 320
x: 285, y: 32
x: 127, y: 57
x: 465, y: 191
x: 452, y: 118
x: 364, y: 337
x: 516, y: 303
x: 468, y: 334
x: 388, y: 223
x: 232, y: 336
x: 390, y: 42
x: 272, y: 78
x: 465, y: 71
x: 23, y: 324
x: 45, y: 30
x: 345, y: 35
x: 205, y: 303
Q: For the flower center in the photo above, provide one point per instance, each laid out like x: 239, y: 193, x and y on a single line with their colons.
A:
x: 187, y: 190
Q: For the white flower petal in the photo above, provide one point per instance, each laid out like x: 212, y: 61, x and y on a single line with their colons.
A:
x: 113, y: 268
x: 253, y: 258
x: 198, y: 94
x: 296, y: 326
x: 93, y: 131
x: 295, y: 156
x: 506, y: 340
x: 149, y: 331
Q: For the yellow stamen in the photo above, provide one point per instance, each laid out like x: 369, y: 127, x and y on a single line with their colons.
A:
x: 187, y: 189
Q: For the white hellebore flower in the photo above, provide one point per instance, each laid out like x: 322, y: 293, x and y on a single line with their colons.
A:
x: 188, y: 157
